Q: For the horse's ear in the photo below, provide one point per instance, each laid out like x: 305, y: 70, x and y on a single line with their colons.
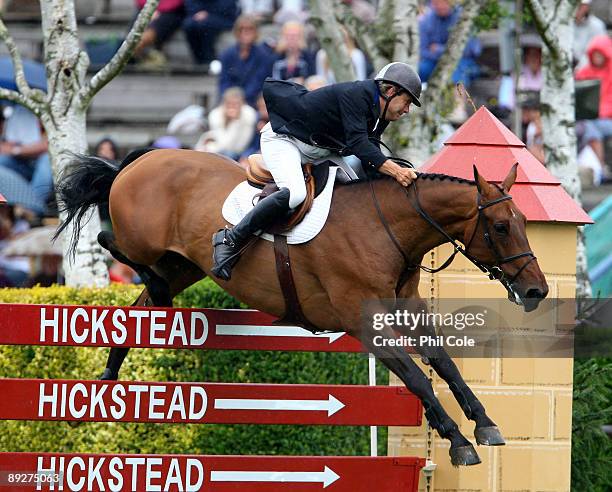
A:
x: 481, y: 183
x: 510, y: 179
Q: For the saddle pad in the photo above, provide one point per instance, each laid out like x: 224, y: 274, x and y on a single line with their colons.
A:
x: 240, y: 202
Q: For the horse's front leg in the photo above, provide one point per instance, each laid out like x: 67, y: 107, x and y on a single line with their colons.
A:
x: 486, y: 432
x: 399, y: 362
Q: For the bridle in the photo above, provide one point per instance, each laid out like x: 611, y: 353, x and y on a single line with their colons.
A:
x: 494, y: 272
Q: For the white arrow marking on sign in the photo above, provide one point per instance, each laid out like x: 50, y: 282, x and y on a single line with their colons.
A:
x: 326, y: 477
x: 273, y: 331
x: 331, y: 405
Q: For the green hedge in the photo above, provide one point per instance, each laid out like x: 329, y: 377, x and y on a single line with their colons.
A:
x: 177, y: 365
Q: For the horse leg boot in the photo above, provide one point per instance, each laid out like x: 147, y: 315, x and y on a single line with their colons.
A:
x: 228, y: 242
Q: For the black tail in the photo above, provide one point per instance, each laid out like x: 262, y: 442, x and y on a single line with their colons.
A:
x: 85, y: 182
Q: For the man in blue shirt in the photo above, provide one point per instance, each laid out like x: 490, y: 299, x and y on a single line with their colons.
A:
x: 434, y: 29
x: 245, y: 64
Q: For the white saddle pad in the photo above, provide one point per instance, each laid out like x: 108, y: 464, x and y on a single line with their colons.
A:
x: 240, y: 202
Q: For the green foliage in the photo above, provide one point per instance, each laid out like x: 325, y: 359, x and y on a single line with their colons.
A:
x: 177, y: 365
x: 490, y: 15
x: 592, y: 408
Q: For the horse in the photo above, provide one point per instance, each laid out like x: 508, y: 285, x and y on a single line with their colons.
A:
x: 165, y: 206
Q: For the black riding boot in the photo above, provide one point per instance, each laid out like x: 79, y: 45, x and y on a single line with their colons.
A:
x: 228, y: 242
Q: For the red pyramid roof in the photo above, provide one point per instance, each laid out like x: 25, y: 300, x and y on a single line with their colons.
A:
x: 484, y: 141
x: 2, y: 199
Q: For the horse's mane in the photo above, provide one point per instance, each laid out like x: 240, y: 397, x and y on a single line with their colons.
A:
x: 421, y: 176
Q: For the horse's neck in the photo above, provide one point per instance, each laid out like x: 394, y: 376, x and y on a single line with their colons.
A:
x: 451, y: 204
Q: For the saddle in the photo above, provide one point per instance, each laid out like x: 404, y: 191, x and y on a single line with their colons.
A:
x: 315, y: 178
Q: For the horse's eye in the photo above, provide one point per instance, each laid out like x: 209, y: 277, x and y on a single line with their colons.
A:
x: 501, y: 228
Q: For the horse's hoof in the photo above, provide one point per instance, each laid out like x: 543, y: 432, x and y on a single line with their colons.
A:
x: 464, y: 456
x: 489, y: 436
x: 108, y: 375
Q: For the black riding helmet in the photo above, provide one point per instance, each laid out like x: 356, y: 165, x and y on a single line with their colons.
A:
x: 403, y: 76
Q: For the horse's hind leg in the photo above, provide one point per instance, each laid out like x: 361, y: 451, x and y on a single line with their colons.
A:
x: 157, y: 287
x: 176, y: 274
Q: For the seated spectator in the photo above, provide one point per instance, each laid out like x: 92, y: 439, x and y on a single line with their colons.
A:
x: 107, y: 149
x: 166, y: 20
x: 586, y: 27
x: 260, y: 10
x: 24, y: 150
x: 166, y: 142
x: 231, y: 124
x: 599, y: 67
x: 434, y: 29
x: 246, y: 64
x: 530, y: 78
x: 294, y: 61
x: 358, y: 60
x: 205, y: 20
x: 532, y: 124
x: 290, y: 11
x: 14, y: 270
x: 262, y: 120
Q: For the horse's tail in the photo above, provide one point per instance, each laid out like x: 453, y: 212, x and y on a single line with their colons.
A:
x: 86, y: 181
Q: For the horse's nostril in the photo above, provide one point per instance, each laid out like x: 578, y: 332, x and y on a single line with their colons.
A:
x: 534, y: 294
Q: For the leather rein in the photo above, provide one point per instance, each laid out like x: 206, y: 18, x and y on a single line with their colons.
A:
x: 494, y: 272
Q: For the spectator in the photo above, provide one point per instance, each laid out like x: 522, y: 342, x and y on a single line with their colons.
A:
x: 24, y: 150
x: 599, y: 67
x: 231, y: 126
x: 290, y: 10
x: 586, y: 27
x: 14, y: 270
x: 532, y: 123
x: 294, y: 61
x: 205, y: 20
x: 107, y: 149
x: 262, y: 120
x: 530, y: 78
x: 358, y: 60
x: 434, y: 29
x: 246, y: 64
x: 166, y: 21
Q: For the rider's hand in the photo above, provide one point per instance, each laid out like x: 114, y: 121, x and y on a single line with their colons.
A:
x: 403, y: 175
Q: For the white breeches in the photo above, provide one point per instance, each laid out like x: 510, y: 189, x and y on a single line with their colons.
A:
x: 283, y: 157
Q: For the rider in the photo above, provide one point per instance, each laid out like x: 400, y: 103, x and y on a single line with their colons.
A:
x: 304, y: 126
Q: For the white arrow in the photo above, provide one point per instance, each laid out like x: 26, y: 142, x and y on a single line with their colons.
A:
x: 274, y: 331
x: 331, y: 405
x: 326, y: 477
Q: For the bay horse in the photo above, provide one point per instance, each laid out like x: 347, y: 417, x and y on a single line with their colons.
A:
x: 165, y: 206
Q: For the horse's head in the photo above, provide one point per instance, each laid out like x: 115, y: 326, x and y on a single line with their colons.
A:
x: 498, y: 240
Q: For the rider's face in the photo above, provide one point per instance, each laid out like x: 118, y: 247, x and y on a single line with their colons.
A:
x: 398, y: 107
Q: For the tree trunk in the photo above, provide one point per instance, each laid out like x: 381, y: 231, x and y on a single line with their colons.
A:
x: 65, y: 124
x: 554, y: 22
x: 332, y: 41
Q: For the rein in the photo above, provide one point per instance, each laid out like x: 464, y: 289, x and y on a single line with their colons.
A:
x: 494, y: 272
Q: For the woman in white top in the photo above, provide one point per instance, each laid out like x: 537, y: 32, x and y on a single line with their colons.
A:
x: 231, y: 126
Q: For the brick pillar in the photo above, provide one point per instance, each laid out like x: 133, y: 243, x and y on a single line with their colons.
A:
x: 529, y: 399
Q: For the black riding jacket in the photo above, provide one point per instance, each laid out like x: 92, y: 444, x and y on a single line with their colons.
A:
x: 341, y: 116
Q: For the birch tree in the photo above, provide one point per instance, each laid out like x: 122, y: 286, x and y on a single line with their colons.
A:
x: 62, y: 110
x: 553, y: 20
x: 394, y: 36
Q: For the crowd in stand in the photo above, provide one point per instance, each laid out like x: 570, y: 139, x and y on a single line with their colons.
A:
x: 232, y: 127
